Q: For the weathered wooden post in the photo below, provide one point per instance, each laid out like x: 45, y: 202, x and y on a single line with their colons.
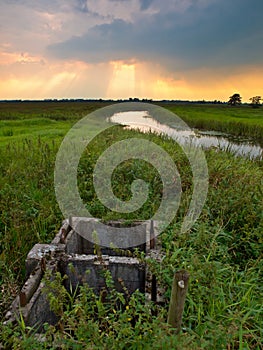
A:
x: 178, y: 295
x: 154, y: 282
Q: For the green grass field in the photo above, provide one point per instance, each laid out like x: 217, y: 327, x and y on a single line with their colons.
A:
x: 222, y: 252
x: 50, y: 120
x: 55, y: 118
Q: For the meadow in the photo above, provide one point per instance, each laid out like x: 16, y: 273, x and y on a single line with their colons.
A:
x: 222, y: 251
x: 242, y: 121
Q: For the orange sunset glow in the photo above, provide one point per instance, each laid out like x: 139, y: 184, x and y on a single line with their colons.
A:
x: 68, y: 52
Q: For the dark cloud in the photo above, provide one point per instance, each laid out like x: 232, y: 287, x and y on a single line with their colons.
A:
x: 145, y: 4
x: 221, y: 33
x: 81, y: 5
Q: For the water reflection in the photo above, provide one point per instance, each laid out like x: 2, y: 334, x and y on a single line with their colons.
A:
x: 141, y: 120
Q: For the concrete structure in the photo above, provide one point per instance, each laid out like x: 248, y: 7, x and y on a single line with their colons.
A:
x: 72, y: 255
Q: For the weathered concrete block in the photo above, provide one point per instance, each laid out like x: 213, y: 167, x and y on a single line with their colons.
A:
x: 30, y: 286
x: 40, y: 251
x: 82, y: 269
x: 88, y: 269
x: 32, y: 302
x: 73, y: 255
x: 38, y: 311
x: 62, y: 233
x: 130, y: 270
x: 92, y: 230
x: 74, y: 243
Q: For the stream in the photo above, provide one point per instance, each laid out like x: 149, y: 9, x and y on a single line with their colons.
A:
x: 142, y: 121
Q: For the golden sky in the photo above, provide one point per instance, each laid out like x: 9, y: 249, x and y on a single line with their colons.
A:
x: 187, y: 49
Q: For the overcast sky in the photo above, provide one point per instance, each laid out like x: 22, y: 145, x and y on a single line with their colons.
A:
x: 174, y: 49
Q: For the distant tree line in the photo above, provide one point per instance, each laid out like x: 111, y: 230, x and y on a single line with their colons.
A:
x: 236, y: 100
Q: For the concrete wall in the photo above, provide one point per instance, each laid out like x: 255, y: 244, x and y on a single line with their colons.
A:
x: 88, y: 269
x: 72, y: 255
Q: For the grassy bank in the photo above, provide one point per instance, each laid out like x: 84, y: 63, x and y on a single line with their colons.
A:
x: 239, y: 120
x: 222, y: 252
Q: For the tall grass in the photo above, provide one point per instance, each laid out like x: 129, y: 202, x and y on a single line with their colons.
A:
x: 239, y: 121
x: 56, y: 110
x: 29, y: 213
x: 223, y: 251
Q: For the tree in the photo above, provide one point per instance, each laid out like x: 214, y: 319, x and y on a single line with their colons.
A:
x: 234, y: 100
x: 255, y: 101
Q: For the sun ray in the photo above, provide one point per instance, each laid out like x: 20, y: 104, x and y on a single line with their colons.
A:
x: 122, y: 83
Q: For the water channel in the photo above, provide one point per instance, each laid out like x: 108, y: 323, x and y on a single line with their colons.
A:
x: 142, y: 121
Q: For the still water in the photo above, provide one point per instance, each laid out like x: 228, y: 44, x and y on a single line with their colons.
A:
x: 142, y: 121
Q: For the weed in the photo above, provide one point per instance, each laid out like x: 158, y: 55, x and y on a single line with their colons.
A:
x: 222, y: 252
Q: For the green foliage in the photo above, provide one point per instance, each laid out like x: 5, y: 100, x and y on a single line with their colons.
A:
x: 255, y: 101
x: 223, y: 251
x: 222, y: 310
x: 56, y: 110
x: 234, y: 100
x: 8, y: 132
x: 29, y: 212
x: 239, y: 121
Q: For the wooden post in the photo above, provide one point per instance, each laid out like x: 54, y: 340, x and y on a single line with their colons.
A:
x: 178, y: 294
x: 154, y: 282
x: 152, y: 236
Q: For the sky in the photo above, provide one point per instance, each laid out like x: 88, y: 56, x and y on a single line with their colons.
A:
x: 116, y: 49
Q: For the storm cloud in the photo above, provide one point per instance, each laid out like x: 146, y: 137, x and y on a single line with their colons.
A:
x: 122, y: 48
x: 204, y: 34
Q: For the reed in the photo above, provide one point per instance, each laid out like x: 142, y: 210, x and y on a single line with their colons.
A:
x: 222, y: 252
